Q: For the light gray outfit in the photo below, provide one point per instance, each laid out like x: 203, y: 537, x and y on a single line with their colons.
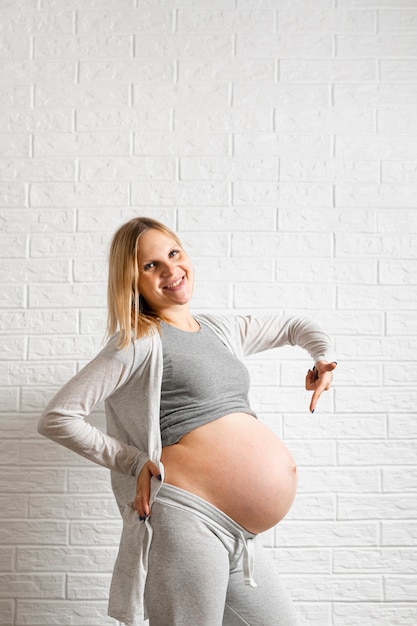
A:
x: 206, y: 570
x: 202, y: 380
x: 130, y: 383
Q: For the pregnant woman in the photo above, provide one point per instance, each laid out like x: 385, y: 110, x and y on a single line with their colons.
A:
x: 196, y: 476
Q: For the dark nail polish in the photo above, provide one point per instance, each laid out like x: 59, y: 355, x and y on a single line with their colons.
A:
x: 313, y: 410
x: 142, y: 519
x: 159, y: 477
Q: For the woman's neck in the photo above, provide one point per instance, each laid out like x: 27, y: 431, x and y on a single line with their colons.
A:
x: 180, y: 319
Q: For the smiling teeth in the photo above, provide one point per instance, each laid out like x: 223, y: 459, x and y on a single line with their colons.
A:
x: 175, y: 284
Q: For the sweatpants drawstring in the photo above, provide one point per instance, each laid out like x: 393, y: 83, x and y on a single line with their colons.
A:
x: 248, y: 560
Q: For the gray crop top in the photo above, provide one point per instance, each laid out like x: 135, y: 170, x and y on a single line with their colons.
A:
x: 201, y: 381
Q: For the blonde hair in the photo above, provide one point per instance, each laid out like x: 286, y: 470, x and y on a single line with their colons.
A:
x: 127, y: 309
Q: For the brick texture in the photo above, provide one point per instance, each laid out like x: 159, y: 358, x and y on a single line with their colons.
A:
x: 279, y: 139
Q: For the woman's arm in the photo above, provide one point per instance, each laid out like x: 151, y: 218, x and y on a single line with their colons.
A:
x: 63, y: 420
x: 262, y: 333
x: 266, y: 332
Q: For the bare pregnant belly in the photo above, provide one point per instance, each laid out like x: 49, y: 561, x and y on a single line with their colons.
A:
x: 237, y: 464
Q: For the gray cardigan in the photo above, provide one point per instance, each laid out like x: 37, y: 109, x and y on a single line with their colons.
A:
x: 129, y: 381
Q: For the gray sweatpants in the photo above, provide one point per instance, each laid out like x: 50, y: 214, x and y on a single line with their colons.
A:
x: 206, y: 570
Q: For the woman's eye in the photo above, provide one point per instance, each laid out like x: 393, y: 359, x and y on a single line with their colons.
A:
x: 149, y: 266
x: 174, y: 253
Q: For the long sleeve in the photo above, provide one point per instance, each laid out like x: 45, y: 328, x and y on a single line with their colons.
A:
x: 265, y: 332
x: 64, y: 418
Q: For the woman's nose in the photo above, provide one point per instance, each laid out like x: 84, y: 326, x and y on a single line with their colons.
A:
x: 168, y: 268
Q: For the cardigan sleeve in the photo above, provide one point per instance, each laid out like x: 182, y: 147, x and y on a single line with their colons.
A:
x: 265, y: 332
x: 64, y: 418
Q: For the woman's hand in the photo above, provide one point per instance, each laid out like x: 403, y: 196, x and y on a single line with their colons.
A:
x: 143, y: 489
x: 318, y: 380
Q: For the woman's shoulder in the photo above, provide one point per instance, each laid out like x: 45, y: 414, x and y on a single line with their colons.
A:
x: 137, y: 357
x: 136, y: 349
x: 227, y: 327
x: 226, y: 322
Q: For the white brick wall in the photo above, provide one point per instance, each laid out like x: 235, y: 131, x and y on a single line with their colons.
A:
x: 279, y: 137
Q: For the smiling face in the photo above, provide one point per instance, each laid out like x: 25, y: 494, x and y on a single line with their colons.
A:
x: 166, y: 277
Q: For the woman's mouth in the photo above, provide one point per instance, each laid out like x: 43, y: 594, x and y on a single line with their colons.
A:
x: 175, y: 285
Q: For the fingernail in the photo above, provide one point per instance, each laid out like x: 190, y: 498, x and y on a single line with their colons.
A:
x: 335, y: 362
x: 313, y: 410
x: 314, y: 368
x: 159, y: 477
x: 142, y: 519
